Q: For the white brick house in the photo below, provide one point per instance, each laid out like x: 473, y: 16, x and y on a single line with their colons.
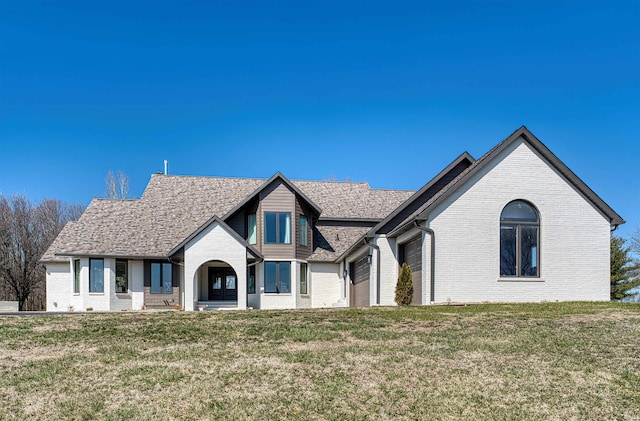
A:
x: 516, y: 225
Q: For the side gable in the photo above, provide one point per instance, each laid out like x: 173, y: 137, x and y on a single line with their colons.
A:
x: 223, y: 225
x: 419, y: 198
x: 410, y: 208
x: 531, y: 140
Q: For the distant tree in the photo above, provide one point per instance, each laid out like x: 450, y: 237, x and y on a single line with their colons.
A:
x: 26, y: 231
x: 117, y: 185
x: 635, y: 243
x: 625, y: 273
x: 404, y: 286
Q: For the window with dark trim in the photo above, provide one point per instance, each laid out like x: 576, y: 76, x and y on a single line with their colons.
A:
x: 96, y: 275
x: 161, y: 278
x: 304, y: 286
x: 76, y: 276
x: 277, y: 228
x: 122, y: 276
x: 519, y: 240
x: 277, y: 277
x: 251, y: 228
x: 251, y: 280
x: 304, y: 241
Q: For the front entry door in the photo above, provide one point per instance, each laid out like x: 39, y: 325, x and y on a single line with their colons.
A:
x: 223, y: 285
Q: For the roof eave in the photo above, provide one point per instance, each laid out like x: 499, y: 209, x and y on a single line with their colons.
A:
x: 358, y: 243
x: 546, y: 153
x: 463, y: 156
x: 227, y: 228
x: 113, y: 256
x: 264, y: 185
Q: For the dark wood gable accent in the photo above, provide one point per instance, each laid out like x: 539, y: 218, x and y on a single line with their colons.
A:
x: 277, y: 197
x: 302, y: 252
x: 424, y: 197
x: 238, y: 221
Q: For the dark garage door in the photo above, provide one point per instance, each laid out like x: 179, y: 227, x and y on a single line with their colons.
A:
x: 359, y: 291
x: 411, y: 254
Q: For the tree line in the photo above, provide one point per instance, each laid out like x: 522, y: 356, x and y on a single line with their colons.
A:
x: 625, y: 267
x: 27, y: 229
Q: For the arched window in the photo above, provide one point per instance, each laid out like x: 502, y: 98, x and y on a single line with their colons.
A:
x: 519, y: 240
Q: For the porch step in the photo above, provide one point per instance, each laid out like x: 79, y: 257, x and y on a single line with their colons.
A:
x: 216, y: 305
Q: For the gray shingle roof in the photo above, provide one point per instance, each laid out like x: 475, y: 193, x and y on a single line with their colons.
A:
x: 352, y: 200
x: 59, y: 243
x: 172, y: 207
x: 332, y: 241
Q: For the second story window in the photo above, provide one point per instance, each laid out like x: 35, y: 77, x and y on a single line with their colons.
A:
x: 277, y: 228
x: 304, y: 240
x: 251, y: 228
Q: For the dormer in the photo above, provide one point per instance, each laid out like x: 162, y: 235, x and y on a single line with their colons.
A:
x: 276, y: 219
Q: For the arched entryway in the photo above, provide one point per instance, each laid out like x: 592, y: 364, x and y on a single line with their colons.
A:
x: 217, y: 284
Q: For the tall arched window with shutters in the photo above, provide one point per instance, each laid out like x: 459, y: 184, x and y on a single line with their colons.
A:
x: 519, y: 240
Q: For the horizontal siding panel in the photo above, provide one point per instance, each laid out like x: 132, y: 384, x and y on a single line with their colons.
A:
x: 277, y: 198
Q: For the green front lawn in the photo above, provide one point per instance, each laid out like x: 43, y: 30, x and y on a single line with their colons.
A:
x: 533, y: 361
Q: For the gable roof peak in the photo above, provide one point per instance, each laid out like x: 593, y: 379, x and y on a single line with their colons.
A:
x: 528, y: 137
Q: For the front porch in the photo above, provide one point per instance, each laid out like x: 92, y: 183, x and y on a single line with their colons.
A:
x: 216, y: 286
x: 215, y: 268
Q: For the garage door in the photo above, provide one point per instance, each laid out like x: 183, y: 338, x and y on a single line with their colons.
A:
x: 411, y: 254
x: 359, y: 293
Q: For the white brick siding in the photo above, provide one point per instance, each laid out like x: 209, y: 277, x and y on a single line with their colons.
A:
x: 59, y: 287
x: 574, y: 236
x: 388, y: 270
x: 326, y: 284
x: 214, y: 243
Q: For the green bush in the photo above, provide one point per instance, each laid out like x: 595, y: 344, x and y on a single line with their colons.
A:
x: 404, y: 287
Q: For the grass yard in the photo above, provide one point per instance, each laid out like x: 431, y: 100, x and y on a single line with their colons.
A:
x: 534, y: 361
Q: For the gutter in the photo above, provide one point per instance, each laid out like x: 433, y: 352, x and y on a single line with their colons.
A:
x: 432, y: 269
x: 375, y: 246
x: 257, y: 262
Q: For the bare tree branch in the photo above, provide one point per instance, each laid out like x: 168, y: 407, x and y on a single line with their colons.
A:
x: 123, y: 185
x: 26, y: 231
x: 116, y: 185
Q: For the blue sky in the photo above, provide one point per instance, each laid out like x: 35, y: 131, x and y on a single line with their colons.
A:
x: 384, y: 92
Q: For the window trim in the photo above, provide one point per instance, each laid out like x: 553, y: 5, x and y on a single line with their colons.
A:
x: 91, y: 276
x: 277, y: 228
x: 517, y: 225
x: 162, y: 286
x: 278, y: 280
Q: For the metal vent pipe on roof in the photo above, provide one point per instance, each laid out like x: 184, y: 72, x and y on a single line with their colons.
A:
x: 166, y: 167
